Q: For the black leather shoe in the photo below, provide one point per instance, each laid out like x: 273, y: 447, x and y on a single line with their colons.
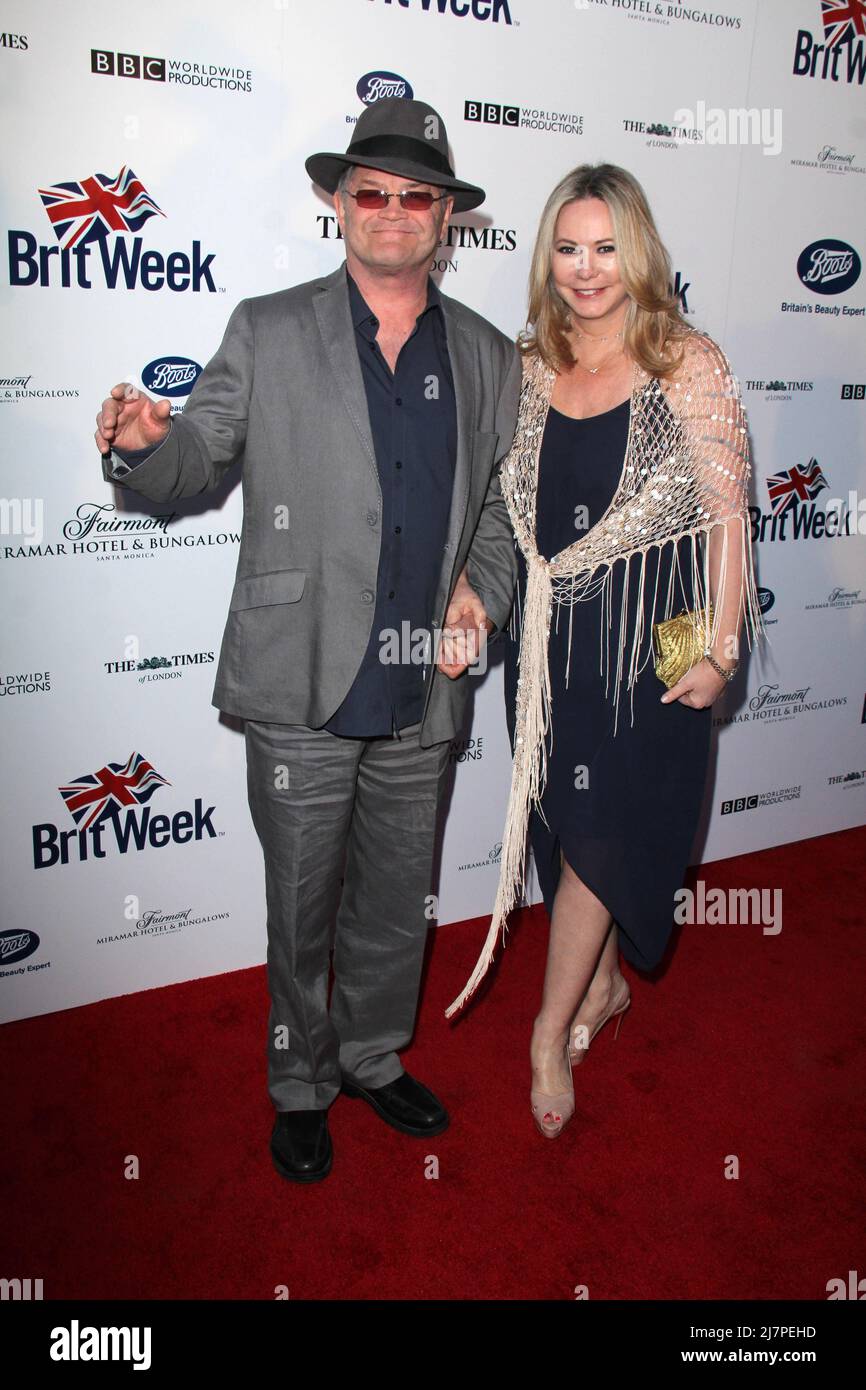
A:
x: 301, y: 1145
x: 404, y: 1104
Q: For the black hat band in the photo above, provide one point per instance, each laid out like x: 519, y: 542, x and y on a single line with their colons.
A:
x: 402, y: 147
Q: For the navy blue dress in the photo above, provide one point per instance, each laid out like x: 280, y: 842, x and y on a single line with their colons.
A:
x: 626, y: 824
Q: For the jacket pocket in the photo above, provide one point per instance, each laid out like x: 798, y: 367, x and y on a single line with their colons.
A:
x: 278, y: 586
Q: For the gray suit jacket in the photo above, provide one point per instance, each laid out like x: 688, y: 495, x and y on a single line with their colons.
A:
x: 284, y: 392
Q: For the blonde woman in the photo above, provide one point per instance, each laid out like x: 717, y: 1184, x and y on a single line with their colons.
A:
x: 627, y: 489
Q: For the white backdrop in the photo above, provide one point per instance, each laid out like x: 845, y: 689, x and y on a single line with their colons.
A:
x: 213, y: 108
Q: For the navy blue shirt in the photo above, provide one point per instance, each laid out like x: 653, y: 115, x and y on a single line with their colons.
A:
x: 413, y: 419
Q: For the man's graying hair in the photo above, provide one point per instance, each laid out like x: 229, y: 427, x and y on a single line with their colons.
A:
x: 343, y: 181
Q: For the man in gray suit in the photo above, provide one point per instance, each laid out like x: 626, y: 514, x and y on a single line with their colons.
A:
x: 370, y: 412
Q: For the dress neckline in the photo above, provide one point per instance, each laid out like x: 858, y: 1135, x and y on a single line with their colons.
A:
x: 580, y: 419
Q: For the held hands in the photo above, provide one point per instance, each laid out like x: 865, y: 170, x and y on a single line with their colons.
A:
x: 131, y: 420
x: 465, y: 631
x: 699, y: 687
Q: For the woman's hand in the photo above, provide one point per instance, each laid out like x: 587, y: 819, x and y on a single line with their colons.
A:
x: 699, y: 687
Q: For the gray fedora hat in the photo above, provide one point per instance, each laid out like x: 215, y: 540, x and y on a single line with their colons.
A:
x: 399, y: 136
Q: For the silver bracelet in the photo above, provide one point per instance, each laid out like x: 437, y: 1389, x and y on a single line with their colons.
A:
x: 726, y: 675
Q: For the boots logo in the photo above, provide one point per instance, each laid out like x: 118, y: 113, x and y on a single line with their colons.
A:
x: 829, y: 267
x: 171, y: 376
x: 766, y: 599
x: 376, y: 86
x: 17, y: 945
x: 84, y: 213
x: 112, y: 804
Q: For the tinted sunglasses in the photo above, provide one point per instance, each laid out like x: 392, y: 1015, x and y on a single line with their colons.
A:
x: 411, y: 199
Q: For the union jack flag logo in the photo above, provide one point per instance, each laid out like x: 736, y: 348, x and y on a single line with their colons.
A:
x: 101, y: 793
x: 88, y: 210
x: 843, y: 19
x: 797, y: 484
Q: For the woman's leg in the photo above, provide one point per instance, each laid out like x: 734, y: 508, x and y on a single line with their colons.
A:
x: 581, y: 956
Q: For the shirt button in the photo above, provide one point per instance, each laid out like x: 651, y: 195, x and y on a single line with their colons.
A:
x: 366, y: 595
x: 398, y: 464
x: 398, y: 400
x: 372, y: 518
x: 397, y: 530
x: 391, y: 593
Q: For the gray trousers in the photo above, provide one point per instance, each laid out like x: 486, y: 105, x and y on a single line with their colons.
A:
x: 326, y: 807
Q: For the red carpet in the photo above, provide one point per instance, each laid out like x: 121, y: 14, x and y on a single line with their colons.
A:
x: 741, y: 1044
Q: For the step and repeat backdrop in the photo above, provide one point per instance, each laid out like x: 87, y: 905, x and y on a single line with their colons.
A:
x: 153, y: 176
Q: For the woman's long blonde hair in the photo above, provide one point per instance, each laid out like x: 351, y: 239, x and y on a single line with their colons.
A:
x: 653, y: 320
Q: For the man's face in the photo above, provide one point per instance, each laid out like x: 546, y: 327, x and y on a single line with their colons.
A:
x: 389, y: 240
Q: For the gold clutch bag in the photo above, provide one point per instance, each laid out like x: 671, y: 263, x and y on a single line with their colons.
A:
x: 679, y: 643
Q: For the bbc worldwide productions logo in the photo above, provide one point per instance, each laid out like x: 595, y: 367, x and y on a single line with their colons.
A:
x: 512, y: 117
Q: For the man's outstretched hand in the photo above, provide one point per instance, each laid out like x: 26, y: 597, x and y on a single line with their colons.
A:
x: 465, y: 631
x: 131, y: 420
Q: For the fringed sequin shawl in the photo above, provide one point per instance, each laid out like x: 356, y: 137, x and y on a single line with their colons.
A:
x: 686, y: 471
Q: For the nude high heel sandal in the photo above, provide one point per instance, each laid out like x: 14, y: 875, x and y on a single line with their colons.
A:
x: 576, y: 1051
x: 552, y: 1113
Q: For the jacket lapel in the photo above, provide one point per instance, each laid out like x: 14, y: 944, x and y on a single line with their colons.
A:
x: 334, y: 318
x: 460, y: 351
x: 331, y: 305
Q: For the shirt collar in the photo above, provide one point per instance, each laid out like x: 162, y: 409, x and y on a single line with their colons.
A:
x: 365, y: 320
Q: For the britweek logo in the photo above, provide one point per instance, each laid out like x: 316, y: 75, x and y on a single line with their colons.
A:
x: 111, y: 806
x: 84, y: 213
x: 829, y: 266
x: 494, y: 10
x: 377, y: 86
x: 793, y: 492
x: 681, y: 288
x: 842, y: 55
